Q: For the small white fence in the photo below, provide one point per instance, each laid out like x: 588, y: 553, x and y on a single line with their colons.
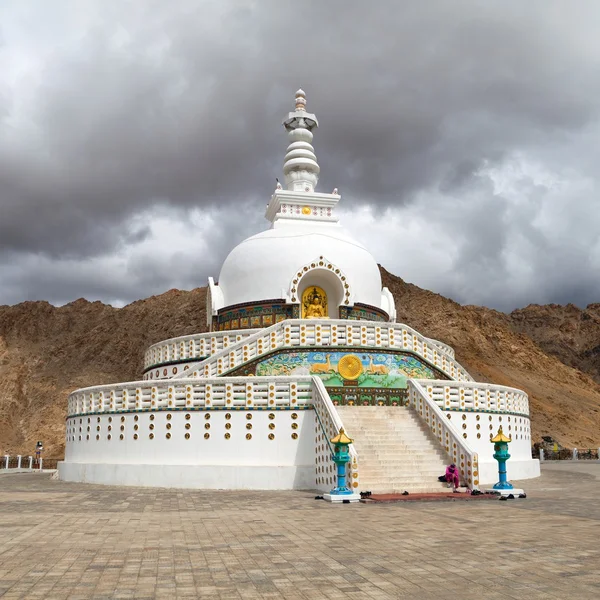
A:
x: 21, y: 463
x: 585, y: 454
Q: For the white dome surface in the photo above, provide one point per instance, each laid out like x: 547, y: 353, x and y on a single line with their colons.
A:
x: 263, y: 266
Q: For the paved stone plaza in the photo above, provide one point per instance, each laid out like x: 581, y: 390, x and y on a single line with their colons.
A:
x: 63, y: 540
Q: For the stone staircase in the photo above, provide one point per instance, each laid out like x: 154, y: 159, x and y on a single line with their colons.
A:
x: 396, y: 451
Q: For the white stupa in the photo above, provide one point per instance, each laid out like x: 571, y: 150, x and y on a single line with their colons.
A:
x: 302, y: 342
x: 305, y: 245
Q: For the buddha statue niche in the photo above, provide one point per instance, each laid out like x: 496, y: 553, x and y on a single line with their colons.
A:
x: 314, y: 303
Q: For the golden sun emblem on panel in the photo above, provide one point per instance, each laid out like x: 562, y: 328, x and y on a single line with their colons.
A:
x: 350, y: 367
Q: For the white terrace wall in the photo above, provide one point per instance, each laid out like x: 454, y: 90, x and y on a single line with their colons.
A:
x: 225, y: 433
x: 211, y: 449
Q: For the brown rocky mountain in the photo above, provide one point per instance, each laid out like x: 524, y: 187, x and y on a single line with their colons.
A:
x: 47, y: 351
x: 570, y: 333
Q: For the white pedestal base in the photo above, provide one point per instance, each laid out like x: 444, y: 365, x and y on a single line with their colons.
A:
x: 339, y: 498
x: 516, y: 492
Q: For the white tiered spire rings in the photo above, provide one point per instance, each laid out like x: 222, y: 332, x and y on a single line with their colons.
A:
x: 300, y: 167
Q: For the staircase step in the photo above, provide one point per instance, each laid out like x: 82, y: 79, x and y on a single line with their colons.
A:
x: 396, y: 450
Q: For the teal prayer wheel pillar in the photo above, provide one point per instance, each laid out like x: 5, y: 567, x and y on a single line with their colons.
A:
x: 341, y: 457
x: 501, y: 454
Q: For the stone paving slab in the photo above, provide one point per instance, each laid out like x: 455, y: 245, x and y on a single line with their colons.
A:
x: 64, y: 540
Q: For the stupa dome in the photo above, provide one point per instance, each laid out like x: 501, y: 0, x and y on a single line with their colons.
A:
x: 264, y: 266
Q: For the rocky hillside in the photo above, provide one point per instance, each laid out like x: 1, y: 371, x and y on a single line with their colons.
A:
x: 46, y: 352
x: 564, y: 401
x: 570, y: 333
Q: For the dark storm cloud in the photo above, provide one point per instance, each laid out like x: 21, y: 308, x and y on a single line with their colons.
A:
x: 121, y: 107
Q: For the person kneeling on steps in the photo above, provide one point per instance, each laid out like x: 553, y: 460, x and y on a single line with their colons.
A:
x: 453, y: 476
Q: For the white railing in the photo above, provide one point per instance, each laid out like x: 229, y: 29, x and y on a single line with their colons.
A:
x: 19, y: 462
x: 449, y: 350
x: 449, y: 395
x: 201, y: 345
x: 330, y: 425
x: 463, y: 456
x: 268, y: 392
x: 295, y: 333
x: 192, y: 346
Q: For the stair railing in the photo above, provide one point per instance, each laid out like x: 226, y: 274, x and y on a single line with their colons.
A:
x: 326, y: 334
x: 187, y: 347
x: 463, y: 456
x: 330, y: 425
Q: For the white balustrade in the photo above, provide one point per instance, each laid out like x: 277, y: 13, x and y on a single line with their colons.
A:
x: 449, y: 437
x: 192, y: 346
x: 228, y: 392
x: 449, y: 350
x: 482, y: 397
x: 330, y: 424
x: 295, y: 333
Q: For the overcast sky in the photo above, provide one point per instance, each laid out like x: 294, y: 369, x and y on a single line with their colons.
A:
x: 140, y: 141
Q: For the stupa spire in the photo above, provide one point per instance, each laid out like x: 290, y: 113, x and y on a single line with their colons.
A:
x: 300, y: 167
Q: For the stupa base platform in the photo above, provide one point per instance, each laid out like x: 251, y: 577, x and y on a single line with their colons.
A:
x: 207, y: 477
x: 341, y: 498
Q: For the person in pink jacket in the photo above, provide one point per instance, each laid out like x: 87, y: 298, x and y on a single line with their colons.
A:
x: 452, y: 476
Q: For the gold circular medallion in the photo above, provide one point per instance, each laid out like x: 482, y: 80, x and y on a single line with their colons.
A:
x: 306, y: 210
x: 350, y: 367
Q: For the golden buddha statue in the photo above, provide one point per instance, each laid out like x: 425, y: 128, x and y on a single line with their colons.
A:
x: 314, y: 303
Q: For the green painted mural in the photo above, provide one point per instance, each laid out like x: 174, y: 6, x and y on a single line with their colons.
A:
x: 346, y: 368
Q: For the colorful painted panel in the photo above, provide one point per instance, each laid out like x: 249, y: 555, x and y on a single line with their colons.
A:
x: 363, y: 312
x: 350, y: 369
x: 257, y: 316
